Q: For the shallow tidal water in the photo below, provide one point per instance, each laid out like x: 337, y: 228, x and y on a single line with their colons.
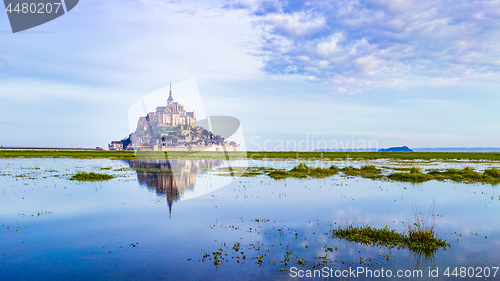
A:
x: 146, y: 224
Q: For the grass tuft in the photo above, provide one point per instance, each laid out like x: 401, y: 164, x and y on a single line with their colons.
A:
x: 255, y: 155
x: 467, y: 175
x: 418, y: 239
x: 279, y: 174
x: 304, y: 171
x: 83, y: 176
x: 301, y: 168
x: 368, y: 171
x: 300, y: 171
x: 414, y: 175
x: 411, y: 174
x: 492, y: 172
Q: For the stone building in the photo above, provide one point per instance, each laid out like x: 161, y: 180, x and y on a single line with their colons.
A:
x: 168, y: 116
x: 172, y: 128
x: 115, y: 145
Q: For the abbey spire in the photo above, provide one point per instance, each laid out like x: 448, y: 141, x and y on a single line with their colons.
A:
x: 170, y: 98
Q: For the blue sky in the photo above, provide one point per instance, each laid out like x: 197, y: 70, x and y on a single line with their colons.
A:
x: 415, y: 73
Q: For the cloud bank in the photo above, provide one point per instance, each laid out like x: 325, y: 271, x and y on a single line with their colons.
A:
x: 356, y: 45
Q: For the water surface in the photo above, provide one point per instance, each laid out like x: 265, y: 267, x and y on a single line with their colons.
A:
x: 149, y: 223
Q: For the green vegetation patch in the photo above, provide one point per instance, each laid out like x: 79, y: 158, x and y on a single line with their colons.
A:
x: 123, y: 169
x: 300, y: 171
x: 83, y: 176
x: 375, y: 155
x: 279, y: 174
x: 304, y: 171
x: 368, y: 171
x: 418, y: 239
x: 244, y: 171
x: 130, y: 155
x: 492, y: 172
x: 465, y: 175
x: 254, y: 171
x: 414, y: 175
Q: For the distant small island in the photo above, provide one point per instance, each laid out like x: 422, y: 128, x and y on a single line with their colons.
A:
x: 396, y: 149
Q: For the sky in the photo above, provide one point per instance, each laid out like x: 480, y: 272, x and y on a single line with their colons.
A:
x: 324, y: 74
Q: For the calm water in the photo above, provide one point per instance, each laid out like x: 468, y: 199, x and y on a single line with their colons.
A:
x: 147, y: 224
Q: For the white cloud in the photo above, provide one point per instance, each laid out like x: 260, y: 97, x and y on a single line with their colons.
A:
x: 296, y: 24
x: 369, y: 65
x: 331, y: 45
x: 324, y: 64
x: 381, y: 42
x: 312, y: 78
x: 479, y: 16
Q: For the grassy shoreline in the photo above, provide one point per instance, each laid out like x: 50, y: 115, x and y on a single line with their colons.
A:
x: 256, y: 155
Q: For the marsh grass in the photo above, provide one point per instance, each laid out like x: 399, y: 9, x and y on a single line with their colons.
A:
x: 418, y: 239
x: 243, y: 171
x: 421, y: 234
x: 123, y: 169
x: 368, y: 171
x: 402, y: 169
x: 83, y: 176
x: 467, y: 175
x: 253, y: 171
x: 370, y: 235
x: 414, y: 175
x: 415, y: 170
x: 129, y: 155
x: 300, y: 171
x: 304, y: 171
x: 492, y: 172
x: 279, y: 174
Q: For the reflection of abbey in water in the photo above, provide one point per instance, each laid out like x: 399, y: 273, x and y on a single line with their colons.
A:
x: 171, y: 178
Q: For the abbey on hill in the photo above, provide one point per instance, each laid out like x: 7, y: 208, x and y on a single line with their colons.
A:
x: 167, y: 117
x: 172, y: 128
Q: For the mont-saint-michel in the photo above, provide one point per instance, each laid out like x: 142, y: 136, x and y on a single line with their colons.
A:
x: 172, y: 128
